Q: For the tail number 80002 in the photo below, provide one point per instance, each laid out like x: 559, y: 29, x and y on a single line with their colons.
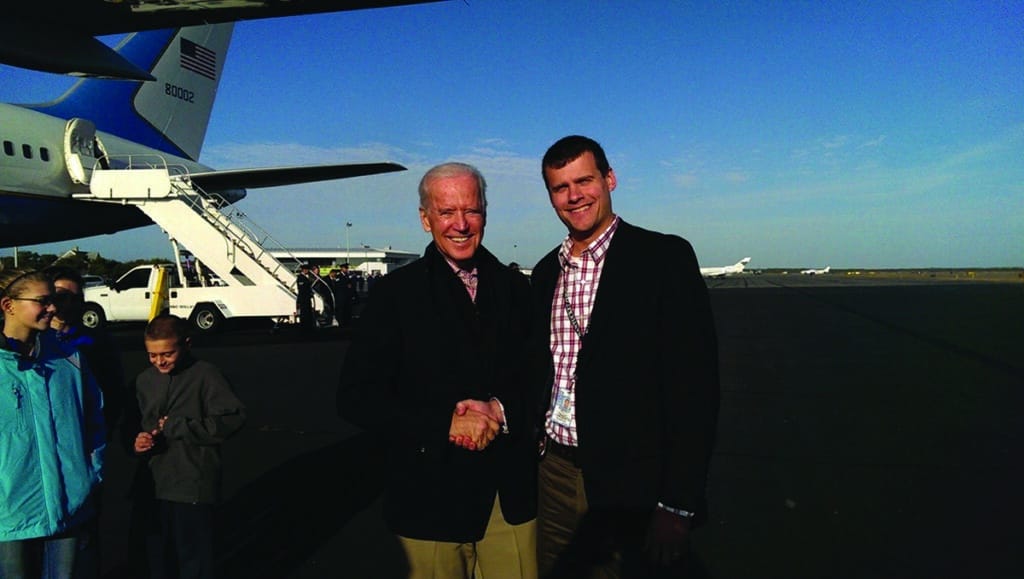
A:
x: 179, y: 92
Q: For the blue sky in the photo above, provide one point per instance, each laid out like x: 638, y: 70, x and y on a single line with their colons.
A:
x: 850, y: 134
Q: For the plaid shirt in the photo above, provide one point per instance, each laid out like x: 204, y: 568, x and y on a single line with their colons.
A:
x: 575, y: 290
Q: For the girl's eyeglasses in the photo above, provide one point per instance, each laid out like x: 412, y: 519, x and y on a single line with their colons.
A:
x: 41, y: 300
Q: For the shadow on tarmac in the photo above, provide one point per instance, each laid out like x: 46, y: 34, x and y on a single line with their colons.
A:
x: 277, y: 523
x: 274, y: 524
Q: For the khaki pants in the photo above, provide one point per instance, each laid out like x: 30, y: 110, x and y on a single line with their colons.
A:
x: 506, y: 552
x: 561, y: 507
x: 575, y: 541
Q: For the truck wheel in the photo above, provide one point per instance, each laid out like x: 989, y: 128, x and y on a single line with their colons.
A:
x: 93, y: 317
x: 207, y: 318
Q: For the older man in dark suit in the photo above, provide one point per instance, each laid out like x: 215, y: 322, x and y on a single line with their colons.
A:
x: 439, y: 357
x: 630, y: 390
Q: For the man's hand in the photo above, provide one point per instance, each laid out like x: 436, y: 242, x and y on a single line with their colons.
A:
x: 491, y: 410
x: 472, y: 430
x: 667, y: 538
x: 145, y: 441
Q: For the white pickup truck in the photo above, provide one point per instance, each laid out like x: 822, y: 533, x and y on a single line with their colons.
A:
x: 130, y: 299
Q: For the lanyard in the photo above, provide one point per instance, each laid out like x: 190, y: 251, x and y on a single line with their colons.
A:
x: 568, y: 307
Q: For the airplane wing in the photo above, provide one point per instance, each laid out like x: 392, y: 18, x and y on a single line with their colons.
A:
x: 275, y: 176
x: 57, y: 35
x: 31, y: 46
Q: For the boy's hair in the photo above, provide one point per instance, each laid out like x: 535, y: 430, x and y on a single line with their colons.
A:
x: 167, y: 326
x: 59, y: 272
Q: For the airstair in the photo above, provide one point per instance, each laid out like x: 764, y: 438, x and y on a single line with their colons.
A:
x: 216, y: 233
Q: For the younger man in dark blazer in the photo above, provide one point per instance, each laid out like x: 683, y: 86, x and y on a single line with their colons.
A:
x: 630, y: 383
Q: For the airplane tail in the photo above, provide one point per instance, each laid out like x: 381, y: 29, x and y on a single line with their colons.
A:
x: 171, y: 113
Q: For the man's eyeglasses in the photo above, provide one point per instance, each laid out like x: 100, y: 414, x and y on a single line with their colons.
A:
x: 41, y: 300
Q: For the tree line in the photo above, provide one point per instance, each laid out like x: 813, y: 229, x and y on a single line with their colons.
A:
x: 84, y: 262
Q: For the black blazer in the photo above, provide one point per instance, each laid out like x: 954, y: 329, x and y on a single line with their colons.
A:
x: 421, y: 346
x: 647, y: 390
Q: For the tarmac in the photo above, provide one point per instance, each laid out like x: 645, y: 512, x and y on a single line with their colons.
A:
x: 869, y: 429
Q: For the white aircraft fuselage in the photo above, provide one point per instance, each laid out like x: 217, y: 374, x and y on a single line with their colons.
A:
x: 49, y: 151
x: 36, y: 184
x: 24, y: 127
x: 725, y: 270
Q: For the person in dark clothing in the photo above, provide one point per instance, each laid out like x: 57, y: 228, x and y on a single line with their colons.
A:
x: 372, y: 281
x: 629, y: 387
x: 304, y: 299
x: 322, y: 288
x: 99, y: 349
x: 440, y: 348
x: 339, y: 294
x: 346, y: 295
x: 186, y: 410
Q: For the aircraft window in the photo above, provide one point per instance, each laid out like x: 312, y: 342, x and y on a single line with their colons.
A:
x: 27, y: 151
x: 9, y: 148
x: 44, y: 154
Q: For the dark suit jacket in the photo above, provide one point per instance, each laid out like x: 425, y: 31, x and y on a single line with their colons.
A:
x: 647, y: 373
x: 421, y: 346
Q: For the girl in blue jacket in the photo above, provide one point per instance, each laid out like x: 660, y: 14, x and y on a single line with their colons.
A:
x: 51, y: 435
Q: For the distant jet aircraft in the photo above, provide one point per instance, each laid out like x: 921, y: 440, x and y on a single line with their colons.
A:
x: 725, y: 269
x: 59, y: 36
x: 816, y: 271
x: 50, y: 150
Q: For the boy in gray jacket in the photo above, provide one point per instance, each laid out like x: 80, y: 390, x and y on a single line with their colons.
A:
x: 187, y: 410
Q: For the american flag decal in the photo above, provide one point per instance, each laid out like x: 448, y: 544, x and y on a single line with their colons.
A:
x: 198, y: 59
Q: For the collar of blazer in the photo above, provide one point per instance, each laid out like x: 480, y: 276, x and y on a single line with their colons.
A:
x: 450, y: 295
x: 615, y: 283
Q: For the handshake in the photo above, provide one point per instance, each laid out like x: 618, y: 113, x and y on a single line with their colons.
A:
x: 475, y: 423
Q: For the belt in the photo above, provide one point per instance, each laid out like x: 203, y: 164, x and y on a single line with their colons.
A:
x: 562, y: 451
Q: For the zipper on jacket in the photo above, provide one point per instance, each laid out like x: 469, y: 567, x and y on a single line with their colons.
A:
x: 20, y: 407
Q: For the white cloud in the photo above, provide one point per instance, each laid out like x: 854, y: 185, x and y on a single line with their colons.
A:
x: 873, y: 142
x: 837, y: 142
x: 686, y: 181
